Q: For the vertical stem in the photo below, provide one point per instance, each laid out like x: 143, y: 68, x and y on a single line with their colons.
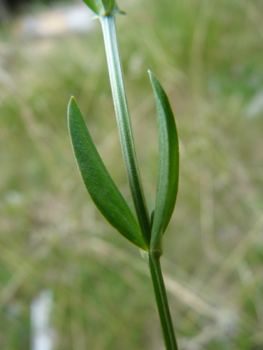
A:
x: 162, y: 302
x: 124, y: 124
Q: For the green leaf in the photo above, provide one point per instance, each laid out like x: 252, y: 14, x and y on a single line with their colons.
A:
x: 102, y: 7
x: 168, y: 163
x: 98, y: 181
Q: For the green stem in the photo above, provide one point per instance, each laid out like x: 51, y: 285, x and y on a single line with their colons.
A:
x: 124, y: 124
x: 162, y: 302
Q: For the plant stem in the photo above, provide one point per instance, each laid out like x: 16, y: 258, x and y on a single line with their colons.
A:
x: 128, y: 149
x: 124, y: 124
x: 162, y: 302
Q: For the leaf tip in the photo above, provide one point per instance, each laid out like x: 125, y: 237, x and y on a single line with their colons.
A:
x: 70, y: 103
x: 71, y: 100
x: 153, y: 78
x: 150, y: 73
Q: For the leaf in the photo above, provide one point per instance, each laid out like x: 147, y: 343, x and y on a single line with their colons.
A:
x: 168, y: 163
x: 98, y: 181
x: 94, y: 5
x: 109, y: 4
x: 102, y: 7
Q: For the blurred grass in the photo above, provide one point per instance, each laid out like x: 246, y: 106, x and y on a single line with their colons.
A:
x: 209, y: 57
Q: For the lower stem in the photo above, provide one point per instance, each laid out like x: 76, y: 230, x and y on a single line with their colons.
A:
x: 162, y: 302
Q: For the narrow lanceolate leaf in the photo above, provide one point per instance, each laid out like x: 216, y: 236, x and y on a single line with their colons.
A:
x: 102, y: 7
x: 98, y: 181
x: 168, y: 163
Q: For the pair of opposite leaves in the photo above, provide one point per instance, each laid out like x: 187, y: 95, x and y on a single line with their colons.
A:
x: 102, y: 188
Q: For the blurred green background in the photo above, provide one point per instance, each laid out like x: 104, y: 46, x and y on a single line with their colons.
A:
x: 209, y: 57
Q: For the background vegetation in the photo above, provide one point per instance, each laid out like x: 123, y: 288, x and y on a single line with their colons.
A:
x: 209, y: 57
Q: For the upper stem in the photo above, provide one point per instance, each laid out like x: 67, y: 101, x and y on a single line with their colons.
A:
x: 162, y: 302
x: 124, y: 124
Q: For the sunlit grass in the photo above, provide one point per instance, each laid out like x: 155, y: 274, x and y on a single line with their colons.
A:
x: 208, y: 56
